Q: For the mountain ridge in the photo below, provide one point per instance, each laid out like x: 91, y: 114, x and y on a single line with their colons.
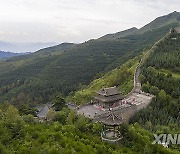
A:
x: 119, y: 34
x: 39, y: 75
x: 157, y: 23
x: 160, y: 21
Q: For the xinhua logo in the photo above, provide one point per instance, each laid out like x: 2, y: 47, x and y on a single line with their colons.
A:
x: 166, y: 139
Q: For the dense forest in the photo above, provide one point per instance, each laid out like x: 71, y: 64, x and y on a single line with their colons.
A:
x: 163, y: 114
x: 166, y: 55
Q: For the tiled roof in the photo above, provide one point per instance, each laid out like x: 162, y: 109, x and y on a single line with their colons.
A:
x: 108, y: 91
x: 109, y: 99
x: 110, y: 119
x: 43, y: 110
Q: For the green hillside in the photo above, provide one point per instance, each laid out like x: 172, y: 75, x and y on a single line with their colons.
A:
x: 167, y: 54
x: 161, y: 21
x: 173, y: 17
x: 65, y: 68
x: 160, y: 77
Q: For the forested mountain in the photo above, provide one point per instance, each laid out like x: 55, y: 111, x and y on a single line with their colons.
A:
x: 157, y: 23
x: 161, y: 21
x: 54, y: 50
x: 60, y: 69
x: 57, y: 48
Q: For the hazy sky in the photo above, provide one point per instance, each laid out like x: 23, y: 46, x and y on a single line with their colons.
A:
x: 75, y: 20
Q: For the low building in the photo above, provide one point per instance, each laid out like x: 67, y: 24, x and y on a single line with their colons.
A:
x: 43, y: 111
x: 177, y: 30
x: 108, y: 97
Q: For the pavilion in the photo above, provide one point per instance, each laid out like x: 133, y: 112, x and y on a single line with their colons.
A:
x: 112, y: 124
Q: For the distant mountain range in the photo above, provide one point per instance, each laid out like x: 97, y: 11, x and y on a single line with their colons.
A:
x: 24, y: 47
x: 4, y: 55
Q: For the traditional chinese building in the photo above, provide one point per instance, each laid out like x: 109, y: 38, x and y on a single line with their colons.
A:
x: 108, y: 97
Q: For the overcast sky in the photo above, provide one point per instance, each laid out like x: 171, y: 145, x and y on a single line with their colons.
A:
x: 75, y: 20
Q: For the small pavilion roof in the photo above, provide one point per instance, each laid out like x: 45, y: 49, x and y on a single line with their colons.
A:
x: 110, y: 119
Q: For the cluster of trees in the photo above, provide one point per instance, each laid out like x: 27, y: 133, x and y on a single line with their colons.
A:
x: 153, y: 81
x: 67, y: 133
x: 163, y: 110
